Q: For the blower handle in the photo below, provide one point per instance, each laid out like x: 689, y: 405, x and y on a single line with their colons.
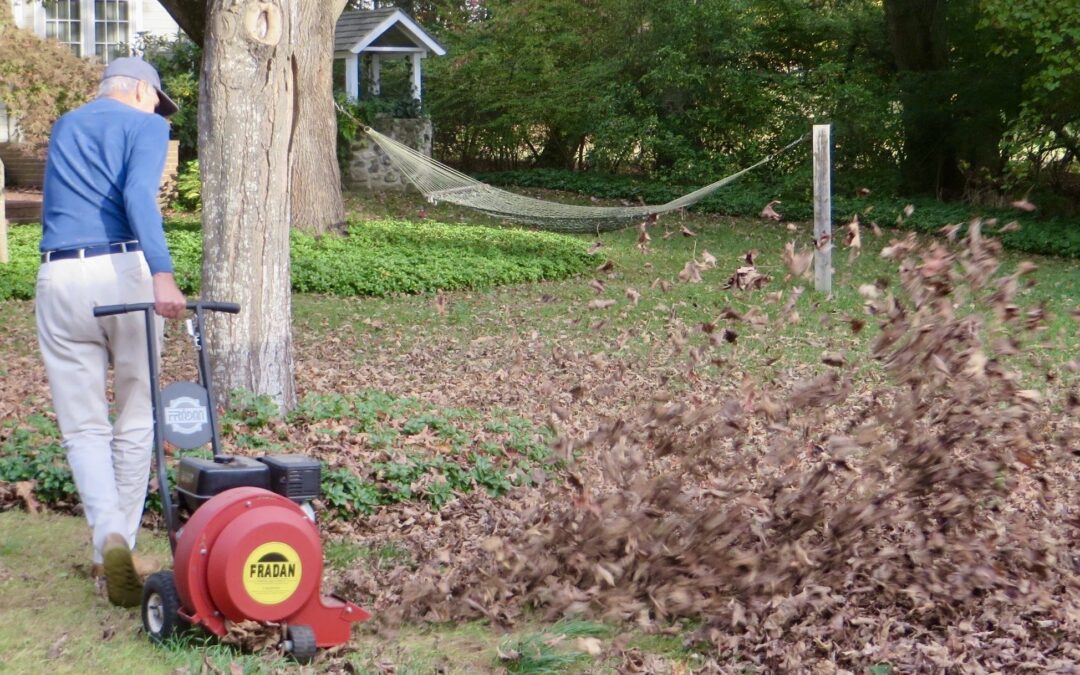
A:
x: 109, y: 310
x: 147, y: 308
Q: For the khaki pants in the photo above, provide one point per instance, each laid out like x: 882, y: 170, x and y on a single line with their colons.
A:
x: 110, y: 461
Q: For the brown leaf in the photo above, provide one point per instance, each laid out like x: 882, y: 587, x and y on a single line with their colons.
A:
x: 633, y: 296
x: 686, y: 232
x: 24, y: 490
x: 57, y: 647
x: 596, y: 246
x: 601, y: 303
x: 800, y: 264
x: 746, y: 278
x: 589, y: 645
x: 607, y: 266
x: 690, y: 273
x: 1024, y: 205
x: 769, y: 213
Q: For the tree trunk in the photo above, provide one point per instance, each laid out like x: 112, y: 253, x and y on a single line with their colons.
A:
x: 317, y: 206
x: 917, y: 34
x: 247, y: 112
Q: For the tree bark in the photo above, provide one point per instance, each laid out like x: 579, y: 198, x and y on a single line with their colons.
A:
x: 317, y: 205
x: 247, y: 114
x: 919, y: 41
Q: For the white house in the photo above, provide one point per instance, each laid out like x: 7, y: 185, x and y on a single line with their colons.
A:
x: 102, y: 29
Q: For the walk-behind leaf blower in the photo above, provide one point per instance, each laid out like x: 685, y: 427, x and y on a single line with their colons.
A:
x: 249, y: 549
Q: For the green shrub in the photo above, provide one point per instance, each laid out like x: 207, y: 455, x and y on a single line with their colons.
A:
x: 375, y: 259
x: 189, y: 188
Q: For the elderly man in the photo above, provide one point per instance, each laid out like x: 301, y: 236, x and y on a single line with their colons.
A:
x: 103, y: 244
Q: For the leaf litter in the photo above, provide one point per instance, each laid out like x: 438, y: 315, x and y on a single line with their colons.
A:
x: 809, y: 522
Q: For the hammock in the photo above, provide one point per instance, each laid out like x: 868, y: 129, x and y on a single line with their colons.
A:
x: 440, y: 183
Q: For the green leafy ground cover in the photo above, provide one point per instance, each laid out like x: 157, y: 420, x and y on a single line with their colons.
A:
x: 377, y: 450
x: 376, y: 258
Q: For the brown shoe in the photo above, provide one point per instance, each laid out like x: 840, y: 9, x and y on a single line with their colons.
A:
x: 121, y: 579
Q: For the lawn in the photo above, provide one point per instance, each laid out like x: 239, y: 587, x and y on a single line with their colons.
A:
x: 497, y: 371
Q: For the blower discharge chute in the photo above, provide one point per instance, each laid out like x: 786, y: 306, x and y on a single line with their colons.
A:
x: 249, y: 549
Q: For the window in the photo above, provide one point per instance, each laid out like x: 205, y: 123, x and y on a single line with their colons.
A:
x: 100, y: 28
x: 110, y: 29
x: 62, y: 23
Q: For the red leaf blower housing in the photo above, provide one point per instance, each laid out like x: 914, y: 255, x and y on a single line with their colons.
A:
x: 249, y: 549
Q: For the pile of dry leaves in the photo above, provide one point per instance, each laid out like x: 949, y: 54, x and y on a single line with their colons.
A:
x: 805, y: 524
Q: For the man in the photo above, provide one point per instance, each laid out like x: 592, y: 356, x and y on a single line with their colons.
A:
x: 103, y: 244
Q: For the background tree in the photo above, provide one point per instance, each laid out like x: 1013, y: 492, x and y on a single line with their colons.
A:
x: 956, y: 97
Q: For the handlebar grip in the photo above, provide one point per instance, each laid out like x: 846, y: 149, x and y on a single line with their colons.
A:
x: 109, y: 310
x: 230, y: 307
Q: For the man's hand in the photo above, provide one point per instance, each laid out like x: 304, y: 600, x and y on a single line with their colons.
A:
x: 169, y: 302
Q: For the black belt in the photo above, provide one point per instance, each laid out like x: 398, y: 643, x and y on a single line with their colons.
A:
x: 91, y: 251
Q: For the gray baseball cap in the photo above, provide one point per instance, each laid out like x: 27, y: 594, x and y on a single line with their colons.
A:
x: 135, y: 67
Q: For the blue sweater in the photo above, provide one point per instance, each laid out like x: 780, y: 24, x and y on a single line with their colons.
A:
x: 102, y: 178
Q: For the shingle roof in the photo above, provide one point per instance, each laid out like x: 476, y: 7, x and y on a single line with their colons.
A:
x: 356, y: 25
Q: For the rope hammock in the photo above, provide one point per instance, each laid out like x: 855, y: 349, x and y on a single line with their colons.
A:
x: 440, y: 183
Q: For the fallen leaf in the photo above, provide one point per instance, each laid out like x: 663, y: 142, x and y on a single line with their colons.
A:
x: 24, y: 490
x: 57, y: 647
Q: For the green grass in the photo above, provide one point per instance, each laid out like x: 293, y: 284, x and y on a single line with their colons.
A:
x: 53, y: 620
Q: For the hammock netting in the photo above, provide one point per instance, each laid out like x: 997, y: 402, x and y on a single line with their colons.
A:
x: 440, y: 183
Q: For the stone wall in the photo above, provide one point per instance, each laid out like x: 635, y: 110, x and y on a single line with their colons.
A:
x: 370, y: 168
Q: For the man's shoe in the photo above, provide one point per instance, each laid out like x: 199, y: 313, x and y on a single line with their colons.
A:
x: 121, y: 580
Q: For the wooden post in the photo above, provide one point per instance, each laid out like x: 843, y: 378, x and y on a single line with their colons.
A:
x: 822, y: 209
x: 3, y: 217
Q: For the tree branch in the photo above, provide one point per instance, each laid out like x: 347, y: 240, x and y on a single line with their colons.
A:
x: 190, y: 15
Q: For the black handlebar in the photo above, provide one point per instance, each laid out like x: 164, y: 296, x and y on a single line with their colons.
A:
x: 109, y: 310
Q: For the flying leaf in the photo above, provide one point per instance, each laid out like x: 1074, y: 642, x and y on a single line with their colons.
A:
x: 769, y: 213
x: 799, y: 263
x: 690, y: 273
x: 1024, y: 205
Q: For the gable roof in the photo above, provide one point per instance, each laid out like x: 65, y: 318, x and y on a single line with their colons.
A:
x: 357, y: 30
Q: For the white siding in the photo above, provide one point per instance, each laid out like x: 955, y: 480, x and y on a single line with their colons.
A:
x: 24, y: 13
x: 156, y: 21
